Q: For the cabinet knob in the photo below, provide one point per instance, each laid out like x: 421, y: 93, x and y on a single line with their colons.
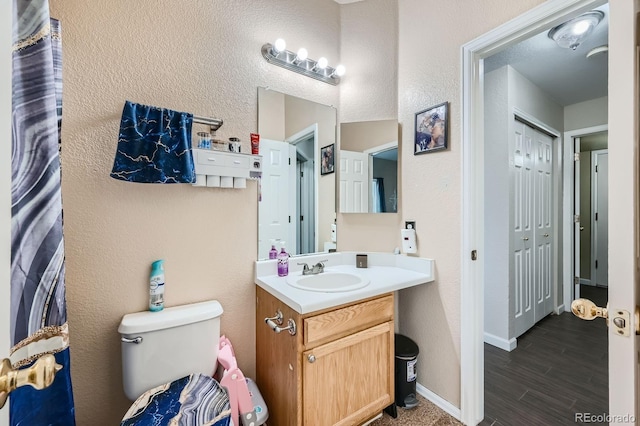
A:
x: 311, y: 358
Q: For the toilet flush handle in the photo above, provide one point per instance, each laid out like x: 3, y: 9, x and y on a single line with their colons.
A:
x: 135, y: 340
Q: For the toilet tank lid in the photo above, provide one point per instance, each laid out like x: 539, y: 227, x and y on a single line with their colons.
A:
x: 141, y: 322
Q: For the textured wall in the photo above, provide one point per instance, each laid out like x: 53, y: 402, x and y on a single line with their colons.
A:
x: 431, y: 34
x: 202, y: 57
x: 369, y: 92
x: 586, y: 114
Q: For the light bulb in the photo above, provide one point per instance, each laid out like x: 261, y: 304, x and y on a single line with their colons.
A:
x: 340, y: 70
x: 322, y: 63
x: 302, y: 54
x: 581, y: 27
x: 280, y: 45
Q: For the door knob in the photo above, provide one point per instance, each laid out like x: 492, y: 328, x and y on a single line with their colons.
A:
x: 545, y: 235
x: 582, y: 228
x: 311, y: 358
x: 525, y: 238
x: 587, y: 310
x: 40, y: 375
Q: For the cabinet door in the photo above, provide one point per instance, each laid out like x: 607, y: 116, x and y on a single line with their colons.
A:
x: 347, y: 381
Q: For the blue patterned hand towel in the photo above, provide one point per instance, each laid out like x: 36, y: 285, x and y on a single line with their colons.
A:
x: 154, y: 146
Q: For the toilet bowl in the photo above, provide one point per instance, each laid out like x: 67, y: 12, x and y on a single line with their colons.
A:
x: 168, y: 360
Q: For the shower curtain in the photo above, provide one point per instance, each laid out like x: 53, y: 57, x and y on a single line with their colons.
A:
x: 38, y: 306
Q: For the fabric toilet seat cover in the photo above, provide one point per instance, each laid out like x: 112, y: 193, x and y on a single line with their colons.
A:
x: 192, y: 400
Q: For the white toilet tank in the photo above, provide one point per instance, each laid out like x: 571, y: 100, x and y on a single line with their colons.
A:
x: 173, y: 343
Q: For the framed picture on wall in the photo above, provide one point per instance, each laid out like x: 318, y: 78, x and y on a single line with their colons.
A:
x: 327, y: 157
x: 431, y: 129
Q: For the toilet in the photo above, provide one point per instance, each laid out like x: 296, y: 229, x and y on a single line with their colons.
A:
x: 166, y: 352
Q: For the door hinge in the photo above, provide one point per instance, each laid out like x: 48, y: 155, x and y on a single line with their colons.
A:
x: 576, y: 280
x: 596, y: 169
x: 596, y: 215
x: 289, y: 219
x: 576, y: 156
x: 596, y: 264
x: 474, y: 254
x: 576, y: 218
x: 301, y: 173
x: 289, y: 161
x: 301, y: 218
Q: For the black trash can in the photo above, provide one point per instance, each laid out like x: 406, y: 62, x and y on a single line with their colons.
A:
x: 406, y: 356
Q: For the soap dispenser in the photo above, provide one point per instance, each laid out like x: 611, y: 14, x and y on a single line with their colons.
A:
x: 283, y: 262
x: 273, y: 253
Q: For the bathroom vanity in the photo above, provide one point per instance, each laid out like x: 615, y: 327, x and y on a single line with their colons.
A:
x: 326, y: 357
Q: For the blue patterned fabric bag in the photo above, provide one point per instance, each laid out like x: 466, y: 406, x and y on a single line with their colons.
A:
x: 154, y: 146
x: 195, y: 400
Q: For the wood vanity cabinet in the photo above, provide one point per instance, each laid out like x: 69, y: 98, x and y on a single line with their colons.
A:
x: 338, y: 369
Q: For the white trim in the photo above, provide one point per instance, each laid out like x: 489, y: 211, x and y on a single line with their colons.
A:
x: 499, y: 342
x: 568, y: 290
x: 535, y: 122
x: 438, y: 401
x: 560, y: 309
x: 536, y: 20
x: 384, y: 147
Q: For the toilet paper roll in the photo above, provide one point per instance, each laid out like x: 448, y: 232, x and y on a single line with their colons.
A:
x: 239, y: 182
x: 213, y: 181
x: 201, y: 180
x: 226, y: 181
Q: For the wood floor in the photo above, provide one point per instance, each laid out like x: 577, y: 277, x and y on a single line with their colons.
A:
x: 559, y: 369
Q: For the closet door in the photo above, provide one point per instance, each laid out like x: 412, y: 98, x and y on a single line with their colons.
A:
x: 521, y: 262
x: 544, y: 229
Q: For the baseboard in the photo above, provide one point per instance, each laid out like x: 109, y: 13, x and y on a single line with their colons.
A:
x: 560, y: 309
x: 439, y: 401
x: 499, y: 342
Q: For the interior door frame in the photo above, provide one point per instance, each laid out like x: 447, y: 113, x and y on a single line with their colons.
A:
x: 534, y: 21
x: 569, y: 291
x: 5, y: 187
x: 305, y: 133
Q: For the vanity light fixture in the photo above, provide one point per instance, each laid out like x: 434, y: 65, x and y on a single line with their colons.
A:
x: 571, y: 33
x: 299, y: 62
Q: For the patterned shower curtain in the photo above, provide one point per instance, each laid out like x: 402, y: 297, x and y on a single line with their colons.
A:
x: 38, y: 306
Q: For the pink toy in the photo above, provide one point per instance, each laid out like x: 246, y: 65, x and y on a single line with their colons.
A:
x: 236, y: 385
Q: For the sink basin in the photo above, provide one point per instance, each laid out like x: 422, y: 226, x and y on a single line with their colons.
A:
x: 328, y: 282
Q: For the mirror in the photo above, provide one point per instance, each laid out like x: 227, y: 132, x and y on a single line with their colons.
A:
x: 369, y: 167
x: 297, y: 204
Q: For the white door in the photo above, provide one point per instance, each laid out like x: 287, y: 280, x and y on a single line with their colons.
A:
x: 623, y: 204
x: 273, y: 216
x: 600, y: 217
x: 5, y: 187
x: 544, y: 229
x: 521, y: 262
x: 306, y: 234
x: 354, y: 182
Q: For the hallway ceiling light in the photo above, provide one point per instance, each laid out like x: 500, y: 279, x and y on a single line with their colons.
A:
x: 277, y: 54
x: 571, y: 33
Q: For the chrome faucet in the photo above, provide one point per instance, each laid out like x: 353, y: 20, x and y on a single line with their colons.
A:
x: 315, y: 269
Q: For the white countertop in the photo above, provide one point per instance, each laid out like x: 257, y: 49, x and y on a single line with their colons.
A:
x: 386, y: 272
